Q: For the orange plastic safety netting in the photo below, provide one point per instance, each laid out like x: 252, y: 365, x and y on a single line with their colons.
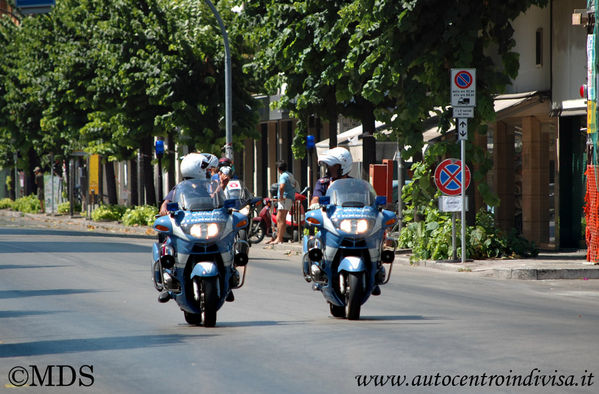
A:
x: 591, y: 213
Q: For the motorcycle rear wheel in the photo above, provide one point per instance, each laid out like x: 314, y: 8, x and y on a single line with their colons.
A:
x: 354, y: 293
x: 210, y: 301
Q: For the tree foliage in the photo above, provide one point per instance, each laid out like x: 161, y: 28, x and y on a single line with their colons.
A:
x: 109, y: 76
x: 387, y: 57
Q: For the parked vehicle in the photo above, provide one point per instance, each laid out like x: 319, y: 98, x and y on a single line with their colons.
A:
x: 261, y: 222
x: 346, y: 258
x: 196, y: 264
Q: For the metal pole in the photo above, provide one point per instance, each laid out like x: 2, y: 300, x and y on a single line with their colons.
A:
x: 454, y: 256
x: 139, y: 183
x: 463, y: 192
x: 159, y: 177
x: 400, y: 182
x: 228, y: 95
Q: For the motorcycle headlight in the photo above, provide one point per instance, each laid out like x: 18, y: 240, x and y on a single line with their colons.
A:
x: 204, y: 230
x: 355, y: 226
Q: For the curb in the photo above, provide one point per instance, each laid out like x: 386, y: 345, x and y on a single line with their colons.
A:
x: 548, y: 266
x: 80, y: 224
x: 515, y: 269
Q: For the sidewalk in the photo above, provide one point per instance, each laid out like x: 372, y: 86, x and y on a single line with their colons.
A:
x: 547, y: 265
x: 65, y: 222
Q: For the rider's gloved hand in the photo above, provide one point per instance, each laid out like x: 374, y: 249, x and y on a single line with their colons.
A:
x: 314, y: 206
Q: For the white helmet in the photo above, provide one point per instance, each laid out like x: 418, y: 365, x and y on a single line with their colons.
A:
x: 193, y: 166
x: 339, y: 156
x: 212, y: 160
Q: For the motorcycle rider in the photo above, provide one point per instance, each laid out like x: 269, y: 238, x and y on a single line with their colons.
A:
x: 212, y: 168
x: 193, y: 166
x: 339, y: 164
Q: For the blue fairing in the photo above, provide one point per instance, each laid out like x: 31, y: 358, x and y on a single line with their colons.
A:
x: 164, y: 221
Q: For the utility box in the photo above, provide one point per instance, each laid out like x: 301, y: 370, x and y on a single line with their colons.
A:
x: 381, y: 178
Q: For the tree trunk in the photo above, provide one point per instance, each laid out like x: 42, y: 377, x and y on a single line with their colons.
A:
x: 33, y: 161
x: 13, y: 185
x: 332, y: 116
x: 368, y: 143
x: 133, y: 182
x: 170, y: 158
x: 148, y: 172
x: 110, y: 183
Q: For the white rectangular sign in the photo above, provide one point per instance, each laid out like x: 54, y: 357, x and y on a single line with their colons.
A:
x: 463, y: 87
x: 463, y: 112
x: 451, y: 203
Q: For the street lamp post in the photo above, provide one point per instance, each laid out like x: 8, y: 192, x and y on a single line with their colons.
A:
x: 228, y: 95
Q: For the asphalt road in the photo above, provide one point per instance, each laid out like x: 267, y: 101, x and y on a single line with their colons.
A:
x: 83, y: 304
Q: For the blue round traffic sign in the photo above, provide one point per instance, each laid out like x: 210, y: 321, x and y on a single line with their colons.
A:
x: 448, y: 177
x: 463, y: 79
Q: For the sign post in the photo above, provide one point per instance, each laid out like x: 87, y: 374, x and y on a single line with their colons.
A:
x: 463, y: 101
x: 449, y: 179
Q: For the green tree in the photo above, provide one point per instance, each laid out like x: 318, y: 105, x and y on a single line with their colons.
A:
x: 302, y: 47
x: 108, y: 77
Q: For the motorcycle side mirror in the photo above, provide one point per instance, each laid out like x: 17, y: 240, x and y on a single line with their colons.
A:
x: 172, y: 207
x: 381, y: 201
x: 324, y: 200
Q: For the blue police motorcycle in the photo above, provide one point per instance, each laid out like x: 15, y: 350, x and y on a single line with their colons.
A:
x: 197, y: 264
x: 346, y: 257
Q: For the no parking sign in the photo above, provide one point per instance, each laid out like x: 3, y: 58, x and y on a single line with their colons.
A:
x: 448, y: 177
x: 463, y: 87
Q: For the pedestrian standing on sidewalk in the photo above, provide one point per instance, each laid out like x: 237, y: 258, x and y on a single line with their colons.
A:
x: 39, y: 183
x: 285, y: 200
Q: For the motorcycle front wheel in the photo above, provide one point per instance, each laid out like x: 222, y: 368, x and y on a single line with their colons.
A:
x: 353, y: 297
x: 209, y: 300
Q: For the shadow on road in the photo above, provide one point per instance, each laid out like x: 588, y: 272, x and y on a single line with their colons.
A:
x: 4, y: 294
x: 62, y: 346
x: 263, y: 323
x: 7, y: 314
x: 20, y: 266
x: 64, y: 233
x: 396, y: 318
x: 71, y: 247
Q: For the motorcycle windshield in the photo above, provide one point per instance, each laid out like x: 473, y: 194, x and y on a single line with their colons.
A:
x: 350, y: 192
x: 199, y: 195
x: 235, y: 190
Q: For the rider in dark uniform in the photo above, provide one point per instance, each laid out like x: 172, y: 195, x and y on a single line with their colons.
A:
x: 339, y: 164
